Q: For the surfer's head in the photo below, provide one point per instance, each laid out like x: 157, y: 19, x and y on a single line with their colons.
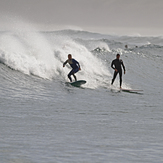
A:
x: 118, y: 56
x: 69, y: 56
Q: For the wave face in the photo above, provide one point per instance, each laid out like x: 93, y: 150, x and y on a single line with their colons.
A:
x: 42, y: 118
x: 42, y: 54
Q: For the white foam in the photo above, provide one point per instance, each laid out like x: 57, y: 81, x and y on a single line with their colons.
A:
x: 93, y: 70
x: 31, y: 52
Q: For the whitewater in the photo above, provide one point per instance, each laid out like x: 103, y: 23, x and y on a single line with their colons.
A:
x: 42, y: 119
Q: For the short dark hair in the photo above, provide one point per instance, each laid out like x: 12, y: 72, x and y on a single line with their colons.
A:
x: 118, y: 54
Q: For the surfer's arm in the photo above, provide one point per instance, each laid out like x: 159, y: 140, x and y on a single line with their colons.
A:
x: 76, y: 62
x: 78, y: 65
x: 123, y: 67
x: 112, y: 65
x: 65, y: 63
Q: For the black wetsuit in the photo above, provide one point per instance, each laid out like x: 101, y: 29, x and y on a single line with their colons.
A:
x: 116, y: 64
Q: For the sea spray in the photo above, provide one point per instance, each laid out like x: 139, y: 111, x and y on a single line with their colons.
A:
x: 29, y: 51
x: 25, y: 49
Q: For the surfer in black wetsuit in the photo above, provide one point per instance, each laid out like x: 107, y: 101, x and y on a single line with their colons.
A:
x: 116, y: 65
x: 75, y: 67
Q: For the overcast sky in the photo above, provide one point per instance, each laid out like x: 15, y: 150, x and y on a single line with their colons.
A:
x: 105, y: 16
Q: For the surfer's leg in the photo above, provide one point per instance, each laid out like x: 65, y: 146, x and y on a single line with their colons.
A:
x: 75, y: 77
x: 114, y: 76
x: 75, y: 71
x: 69, y: 75
x: 70, y: 78
x: 120, y: 78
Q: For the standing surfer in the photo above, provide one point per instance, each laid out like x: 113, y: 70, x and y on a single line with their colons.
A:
x: 75, y: 67
x: 116, y: 65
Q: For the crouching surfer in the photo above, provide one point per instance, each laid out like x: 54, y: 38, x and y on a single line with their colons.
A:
x: 75, y: 67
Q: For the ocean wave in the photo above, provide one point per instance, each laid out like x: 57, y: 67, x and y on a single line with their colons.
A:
x: 43, y: 53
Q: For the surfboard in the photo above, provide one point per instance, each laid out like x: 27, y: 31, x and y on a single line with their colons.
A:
x: 78, y: 83
x: 132, y: 90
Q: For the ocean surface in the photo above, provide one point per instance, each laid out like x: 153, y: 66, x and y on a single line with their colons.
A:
x: 45, y: 120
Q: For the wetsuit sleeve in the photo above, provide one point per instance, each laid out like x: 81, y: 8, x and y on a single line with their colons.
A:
x: 76, y: 62
x: 123, y: 66
x: 65, y: 63
x: 112, y: 65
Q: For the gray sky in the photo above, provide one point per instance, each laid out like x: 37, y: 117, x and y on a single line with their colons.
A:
x: 105, y: 16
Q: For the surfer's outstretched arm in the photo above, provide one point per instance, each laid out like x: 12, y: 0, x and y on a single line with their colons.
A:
x: 65, y: 63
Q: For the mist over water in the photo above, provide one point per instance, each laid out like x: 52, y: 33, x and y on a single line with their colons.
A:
x: 42, y: 119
